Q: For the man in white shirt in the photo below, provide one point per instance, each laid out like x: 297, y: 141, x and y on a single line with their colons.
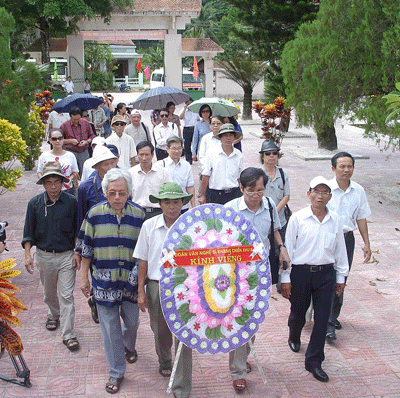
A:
x: 147, y: 179
x: 222, y: 168
x: 162, y: 132
x: 179, y: 169
x: 124, y: 143
x: 137, y: 129
x: 68, y: 86
x: 57, y: 119
x: 148, y: 250
x: 258, y: 210
x: 350, y: 203
x: 315, y: 243
x: 190, y: 119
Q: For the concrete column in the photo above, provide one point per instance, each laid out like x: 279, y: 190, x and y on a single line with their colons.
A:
x: 173, y: 60
x: 131, y: 67
x: 209, y: 72
x: 76, y: 61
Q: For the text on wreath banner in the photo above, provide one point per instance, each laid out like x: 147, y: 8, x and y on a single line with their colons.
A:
x: 209, y: 256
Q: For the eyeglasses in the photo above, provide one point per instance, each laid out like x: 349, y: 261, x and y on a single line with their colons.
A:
x: 176, y: 149
x: 57, y: 138
x: 121, y: 194
x: 163, y: 115
x: 254, y: 193
x: 53, y: 184
x: 119, y: 124
x: 269, y: 153
x: 320, y: 193
x: 206, y: 110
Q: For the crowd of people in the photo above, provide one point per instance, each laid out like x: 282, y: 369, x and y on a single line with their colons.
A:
x: 112, y: 189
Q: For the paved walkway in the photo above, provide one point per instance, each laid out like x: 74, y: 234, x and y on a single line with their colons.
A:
x: 363, y: 362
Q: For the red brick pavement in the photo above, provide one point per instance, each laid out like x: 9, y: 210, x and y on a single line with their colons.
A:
x: 363, y: 362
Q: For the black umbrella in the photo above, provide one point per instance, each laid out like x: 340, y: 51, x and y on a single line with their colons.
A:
x: 82, y: 101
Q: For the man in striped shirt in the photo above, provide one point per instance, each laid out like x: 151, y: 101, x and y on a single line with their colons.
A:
x: 111, y: 230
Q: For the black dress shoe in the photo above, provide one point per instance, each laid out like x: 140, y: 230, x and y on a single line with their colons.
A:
x: 338, y: 325
x: 295, y: 347
x: 330, y: 336
x: 318, y: 373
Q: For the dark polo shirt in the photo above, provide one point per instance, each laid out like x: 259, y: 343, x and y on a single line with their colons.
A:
x: 51, y: 227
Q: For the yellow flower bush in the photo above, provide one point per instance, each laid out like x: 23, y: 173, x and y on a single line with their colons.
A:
x: 12, y: 147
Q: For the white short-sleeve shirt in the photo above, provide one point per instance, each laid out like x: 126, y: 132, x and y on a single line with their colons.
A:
x: 126, y: 149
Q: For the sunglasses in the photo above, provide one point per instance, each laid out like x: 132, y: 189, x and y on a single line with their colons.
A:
x: 206, y: 110
x: 119, y: 124
x: 163, y: 115
x: 269, y: 153
x: 57, y: 138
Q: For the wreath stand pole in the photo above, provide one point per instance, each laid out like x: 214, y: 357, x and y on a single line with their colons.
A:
x: 23, y: 373
x: 176, y: 360
x: 261, y: 370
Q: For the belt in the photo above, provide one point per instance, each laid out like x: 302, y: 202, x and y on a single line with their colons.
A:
x: 53, y: 251
x: 314, y: 268
x: 151, y: 209
x: 348, y: 233
x: 224, y: 190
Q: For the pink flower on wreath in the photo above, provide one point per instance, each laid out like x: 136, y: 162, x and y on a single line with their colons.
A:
x: 191, y: 282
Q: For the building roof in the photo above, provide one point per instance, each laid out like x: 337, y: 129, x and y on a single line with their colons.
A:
x: 56, y: 45
x: 165, y: 7
x: 200, y: 45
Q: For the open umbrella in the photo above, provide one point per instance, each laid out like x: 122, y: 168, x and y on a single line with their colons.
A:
x: 219, y: 106
x: 157, y: 98
x: 82, y: 101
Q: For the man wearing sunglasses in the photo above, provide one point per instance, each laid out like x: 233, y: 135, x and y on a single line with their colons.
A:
x: 124, y: 143
x: 162, y: 132
x: 111, y: 229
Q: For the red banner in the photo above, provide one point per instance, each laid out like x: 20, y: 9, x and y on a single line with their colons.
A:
x: 214, y: 255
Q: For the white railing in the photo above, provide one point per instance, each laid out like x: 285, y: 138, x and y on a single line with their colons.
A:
x: 129, y: 81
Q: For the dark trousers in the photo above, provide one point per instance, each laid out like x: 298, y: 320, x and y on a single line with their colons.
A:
x: 337, y: 302
x: 318, y: 286
x: 187, y: 142
x: 223, y: 196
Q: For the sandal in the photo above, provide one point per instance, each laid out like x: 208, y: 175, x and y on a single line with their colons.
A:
x: 93, y: 310
x: 114, y: 384
x: 72, y: 344
x: 239, y: 385
x: 248, y: 367
x: 130, y: 356
x: 52, y: 324
x: 165, y: 372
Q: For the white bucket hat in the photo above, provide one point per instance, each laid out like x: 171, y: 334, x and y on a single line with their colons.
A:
x: 101, y: 153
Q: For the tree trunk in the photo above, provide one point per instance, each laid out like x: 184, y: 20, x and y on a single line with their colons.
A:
x: 326, y: 135
x: 247, y: 104
x: 44, y: 40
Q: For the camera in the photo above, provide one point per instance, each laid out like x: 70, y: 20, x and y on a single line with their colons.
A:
x: 3, y: 225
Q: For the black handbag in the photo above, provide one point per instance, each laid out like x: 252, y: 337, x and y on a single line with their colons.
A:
x: 273, y: 254
x: 287, y: 212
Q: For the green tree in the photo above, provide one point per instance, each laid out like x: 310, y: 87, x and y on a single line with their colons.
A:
x: 18, y: 79
x: 268, y: 24
x: 12, y: 148
x: 97, y: 55
x: 152, y: 56
x: 345, y: 56
x: 246, y: 72
x: 57, y: 18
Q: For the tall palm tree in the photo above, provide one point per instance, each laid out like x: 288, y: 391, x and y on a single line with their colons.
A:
x: 246, y: 72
